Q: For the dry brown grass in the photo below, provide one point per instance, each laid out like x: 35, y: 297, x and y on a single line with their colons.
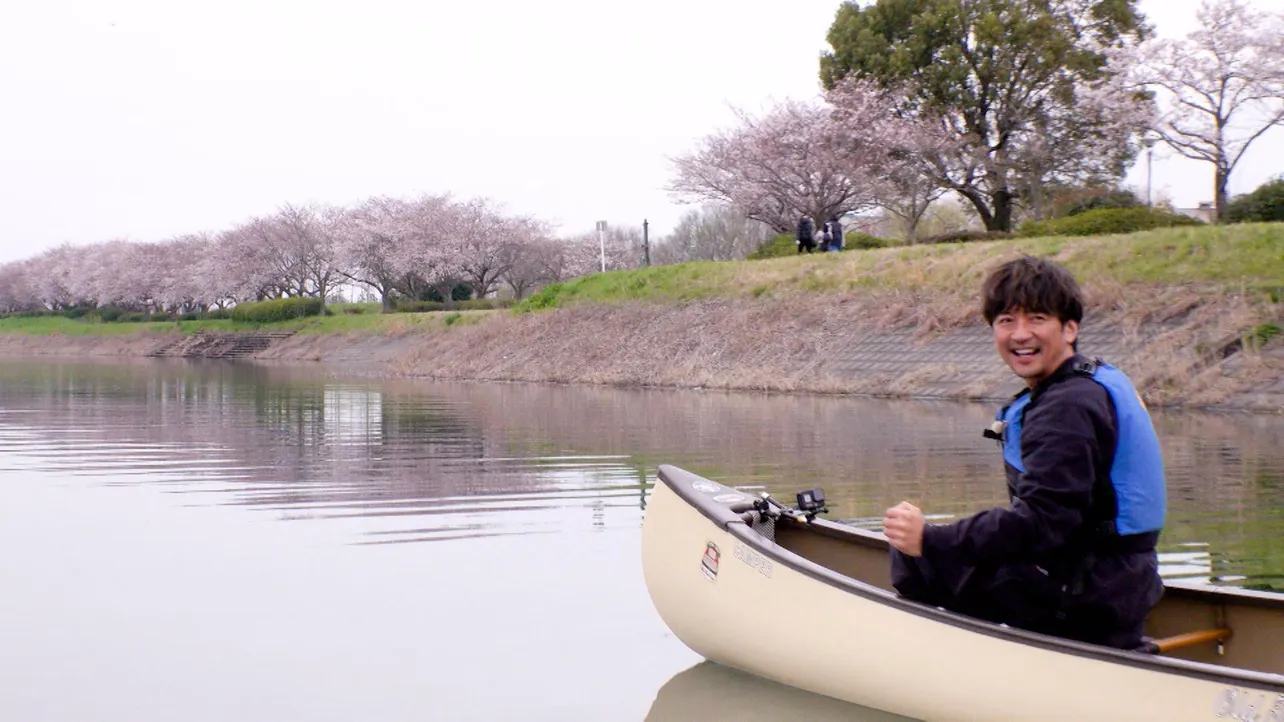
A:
x: 792, y: 344
x: 1197, y: 358
x: 1185, y: 341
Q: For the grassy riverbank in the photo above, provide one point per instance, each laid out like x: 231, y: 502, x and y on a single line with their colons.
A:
x: 369, y: 320
x: 1193, y: 314
x: 1245, y: 258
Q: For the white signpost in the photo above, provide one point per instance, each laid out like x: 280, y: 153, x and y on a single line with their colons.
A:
x: 601, y: 242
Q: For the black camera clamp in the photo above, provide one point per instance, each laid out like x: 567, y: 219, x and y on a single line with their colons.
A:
x: 810, y: 503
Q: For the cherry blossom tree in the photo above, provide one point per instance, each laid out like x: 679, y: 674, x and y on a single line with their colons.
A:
x: 523, y: 274
x: 220, y: 274
x: 1089, y: 141
x: 122, y: 274
x: 712, y: 233
x: 530, y: 269
x: 16, y: 291
x: 369, y: 237
x: 142, y: 277
x: 1221, y: 88
x: 428, y: 256
x: 305, y: 248
x: 116, y: 273
x: 406, y: 247
x: 89, y: 276
x: 270, y: 252
x: 902, y: 152
x: 241, y: 266
x: 538, y: 258
x: 776, y: 168
x: 50, y: 274
x: 542, y: 259
x: 907, y: 193
x: 487, y: 241
x: 292, y: 251
x: 914, y: 154
x: 622, y: 244
x: 191, y: 253
x: 624, y: 248
x: 177, y: 283
x: 583, y: 255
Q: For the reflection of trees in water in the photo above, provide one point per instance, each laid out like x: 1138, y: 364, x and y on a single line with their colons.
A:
x: 1226, y: 487
x: 305, y: 440
x: 296, y: 436
x: 744, y: 438
x: 864, y: 452
x: 1226, y: 472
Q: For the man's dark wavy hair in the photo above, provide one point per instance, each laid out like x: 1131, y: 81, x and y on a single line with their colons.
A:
x: 1033, y: 285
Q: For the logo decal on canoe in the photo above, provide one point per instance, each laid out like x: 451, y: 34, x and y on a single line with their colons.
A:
x: 709, y: 562
x: 707, y: 487
x: 729, y: 498
x: 1249, y: 706
x: 753, y: 559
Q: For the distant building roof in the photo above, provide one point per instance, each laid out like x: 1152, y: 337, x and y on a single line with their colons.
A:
x: 1205, y: 212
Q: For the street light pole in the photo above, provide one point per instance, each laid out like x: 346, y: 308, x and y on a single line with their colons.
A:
x: 646, y: 244
x: 1150, y: 140
x: 601, y: 242
x: 1150, y: 158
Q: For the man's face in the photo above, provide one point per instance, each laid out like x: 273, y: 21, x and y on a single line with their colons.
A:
x: 1033, y: 345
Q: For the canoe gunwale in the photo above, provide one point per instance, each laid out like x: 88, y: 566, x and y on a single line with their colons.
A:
x: 728, y: 517
x: 1173, y: 587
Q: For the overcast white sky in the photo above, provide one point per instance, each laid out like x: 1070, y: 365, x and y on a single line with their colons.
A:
x: 143, y: 119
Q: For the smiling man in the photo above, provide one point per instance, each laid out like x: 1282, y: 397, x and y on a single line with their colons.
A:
x: 1073, y: 554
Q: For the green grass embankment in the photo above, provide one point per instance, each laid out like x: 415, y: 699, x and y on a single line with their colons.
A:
x: 1245, y: 259
x: 1241, y: 258
x: 369, y: 321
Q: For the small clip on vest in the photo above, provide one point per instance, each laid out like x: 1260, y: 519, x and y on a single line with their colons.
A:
x: 995, y: 431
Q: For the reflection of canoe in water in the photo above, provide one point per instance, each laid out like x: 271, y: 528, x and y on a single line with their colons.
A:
x: 710, y: 691
x: 808, y: 604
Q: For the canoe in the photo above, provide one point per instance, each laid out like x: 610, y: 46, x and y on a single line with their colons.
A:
x: 791, y: 597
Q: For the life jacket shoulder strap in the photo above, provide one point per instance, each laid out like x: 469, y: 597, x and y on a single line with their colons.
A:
x: 995, y: 430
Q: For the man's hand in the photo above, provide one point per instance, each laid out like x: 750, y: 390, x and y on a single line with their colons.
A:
x: 903, y: 525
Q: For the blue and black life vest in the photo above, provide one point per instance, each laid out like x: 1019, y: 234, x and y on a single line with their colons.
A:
x: 1137, y: 473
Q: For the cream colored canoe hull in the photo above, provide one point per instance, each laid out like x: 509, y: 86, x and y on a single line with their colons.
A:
x: 765, y: 610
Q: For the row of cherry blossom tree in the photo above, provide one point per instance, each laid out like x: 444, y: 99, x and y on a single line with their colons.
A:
x: 396, y: 248
x: 999, y: 102
x: 392, y: 248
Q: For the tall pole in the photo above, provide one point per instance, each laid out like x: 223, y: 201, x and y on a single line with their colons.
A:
x: 601, y: 242
x: 646, y: 244
x: 1150, y: 155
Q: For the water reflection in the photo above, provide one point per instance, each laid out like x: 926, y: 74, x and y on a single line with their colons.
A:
x: 532, y: 498
x: 305, y: 449
x: 444, y: 461
x: 709, y: 691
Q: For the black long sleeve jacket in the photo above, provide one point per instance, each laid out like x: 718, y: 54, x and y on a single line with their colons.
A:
x: 1068, y: 440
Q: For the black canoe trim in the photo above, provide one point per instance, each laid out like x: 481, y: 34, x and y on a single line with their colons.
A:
x: 727, y: 516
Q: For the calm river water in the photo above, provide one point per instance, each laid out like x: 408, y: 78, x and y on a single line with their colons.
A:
x: 219, y: 541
